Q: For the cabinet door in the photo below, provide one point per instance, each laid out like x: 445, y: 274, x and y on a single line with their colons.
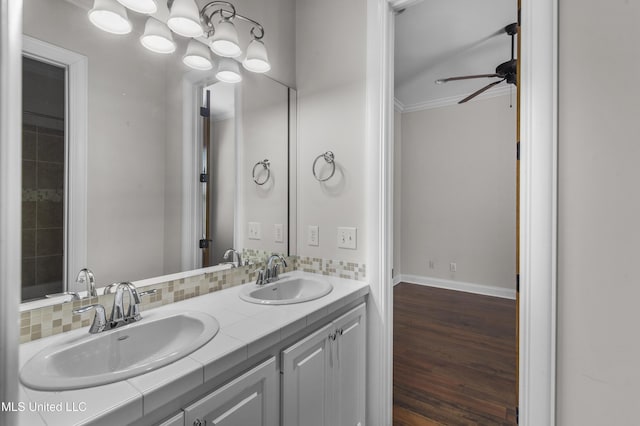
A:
x: 251, y: 399
x: 349, y: 368
x: 306, y: 381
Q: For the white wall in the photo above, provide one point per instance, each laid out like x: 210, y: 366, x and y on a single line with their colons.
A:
x: 126, y: 155
x: 598, y: 339
x: 458, y: 192
x: 173, y: 196
x: 265, y: 126
x: 330, y: 78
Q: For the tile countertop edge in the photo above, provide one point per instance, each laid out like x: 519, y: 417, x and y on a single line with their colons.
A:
x: 241, y: 343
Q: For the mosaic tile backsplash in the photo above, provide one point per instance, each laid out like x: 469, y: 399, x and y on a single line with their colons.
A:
x: 55, y: 319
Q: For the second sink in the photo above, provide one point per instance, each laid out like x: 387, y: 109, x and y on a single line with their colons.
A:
x: 287, y: 290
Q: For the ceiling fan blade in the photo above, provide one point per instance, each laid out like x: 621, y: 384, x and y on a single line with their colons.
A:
x: 466, y: 77
x: 484, y: 89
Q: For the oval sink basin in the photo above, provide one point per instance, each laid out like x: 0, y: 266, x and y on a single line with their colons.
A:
x: 287, y: 290
x: 119, y: 354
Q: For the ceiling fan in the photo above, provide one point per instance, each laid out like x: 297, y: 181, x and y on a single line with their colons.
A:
x: 506, y: 71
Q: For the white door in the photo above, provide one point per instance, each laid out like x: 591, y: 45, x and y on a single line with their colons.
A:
x: 306, y: 381
x: 349, y: 368
x: 251, y: 399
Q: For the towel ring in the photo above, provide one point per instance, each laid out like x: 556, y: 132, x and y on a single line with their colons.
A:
x: 329, y: 158
x: 266, y: 165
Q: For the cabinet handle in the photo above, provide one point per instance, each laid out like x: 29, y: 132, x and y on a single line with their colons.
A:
x: 338, y: 332
x: 332, y: 338
x: 198, y: 422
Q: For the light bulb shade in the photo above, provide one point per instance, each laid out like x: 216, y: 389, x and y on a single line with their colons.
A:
x: 184, y: 18
x: 225, y: 40
x: 228, y: 71
x: 197, y: 56
x: 110, y: 16
x: 157, y: 37
x: 141, y: 6
x: 256, y: 59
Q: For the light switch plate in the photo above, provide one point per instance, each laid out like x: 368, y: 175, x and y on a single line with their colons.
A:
x: 313, y: 237
x: 255, y: 231
x: 347, y: 238
x: 278, y: 233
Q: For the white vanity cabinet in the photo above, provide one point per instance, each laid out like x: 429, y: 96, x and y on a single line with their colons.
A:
x: 323, y: 375
x: 251, y: 399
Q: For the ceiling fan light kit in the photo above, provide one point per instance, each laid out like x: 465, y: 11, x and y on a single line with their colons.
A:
x: 506, y: 71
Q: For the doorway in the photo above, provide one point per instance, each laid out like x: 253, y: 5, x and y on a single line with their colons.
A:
x: 455, y: 214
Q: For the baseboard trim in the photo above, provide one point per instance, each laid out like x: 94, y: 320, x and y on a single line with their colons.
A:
x: 485, y: 290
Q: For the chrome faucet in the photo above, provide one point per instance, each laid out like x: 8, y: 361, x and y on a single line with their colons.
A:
x: 118, y: 316
x: 236, y: 258
x: 271, y: 271
x: 85, y: 276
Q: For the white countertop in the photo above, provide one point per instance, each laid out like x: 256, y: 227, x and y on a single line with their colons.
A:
x: 246, y: 329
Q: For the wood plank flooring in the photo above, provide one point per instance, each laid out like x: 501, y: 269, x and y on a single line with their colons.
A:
x: 454, y: 358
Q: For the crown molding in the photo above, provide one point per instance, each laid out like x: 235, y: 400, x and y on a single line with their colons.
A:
x: 448, y: 101
x: 397, y: 105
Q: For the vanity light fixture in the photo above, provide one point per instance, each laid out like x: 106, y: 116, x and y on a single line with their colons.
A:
x: 197, y: 56
x: 141, y: 6
x: 110, y: 16
x: 184, y: 18
x: 225, y: 40
x: 228, y: 71
x: 157, y: 37
x: 256, y: 59
x: 189, y: 20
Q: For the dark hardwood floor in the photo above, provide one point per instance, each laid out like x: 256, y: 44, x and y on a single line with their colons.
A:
x: 454, y: 358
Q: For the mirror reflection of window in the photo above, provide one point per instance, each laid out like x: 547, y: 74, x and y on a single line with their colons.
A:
x: 43, y: 178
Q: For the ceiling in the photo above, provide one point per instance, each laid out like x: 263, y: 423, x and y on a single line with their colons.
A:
x: 447, y: 38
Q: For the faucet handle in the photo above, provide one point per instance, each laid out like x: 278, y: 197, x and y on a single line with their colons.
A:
x: 136, y: 307
x: 261, y: 276
x: 99, y: 320
x: 148, y: 292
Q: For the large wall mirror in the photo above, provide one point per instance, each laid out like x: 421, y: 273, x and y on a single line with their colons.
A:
x: 126, y: 168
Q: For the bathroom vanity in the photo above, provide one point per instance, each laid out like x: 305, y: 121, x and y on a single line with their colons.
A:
x: 289, y: 365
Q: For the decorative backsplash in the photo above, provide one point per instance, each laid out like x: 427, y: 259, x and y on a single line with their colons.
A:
x: 59, y: 318
x: 336, y: 268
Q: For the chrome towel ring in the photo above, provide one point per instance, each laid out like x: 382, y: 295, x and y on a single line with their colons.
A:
x: 329, y: 158
x: 267, y: 166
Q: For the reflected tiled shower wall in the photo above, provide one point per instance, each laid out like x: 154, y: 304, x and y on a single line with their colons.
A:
x: 43, y: 179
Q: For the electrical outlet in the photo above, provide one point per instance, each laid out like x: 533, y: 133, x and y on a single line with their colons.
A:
x: 347, y: 238
x: 278, y: 233
x: 255, y: 231
x: 453, y: 267
x: 313, y: 236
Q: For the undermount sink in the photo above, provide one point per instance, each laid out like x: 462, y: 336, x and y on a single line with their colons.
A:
x: 287, y: 290
x: 119, y: 354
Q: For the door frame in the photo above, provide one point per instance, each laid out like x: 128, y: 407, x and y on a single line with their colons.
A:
x: 10, y: 198
x: 538, y: 209
x: 76, y: 135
